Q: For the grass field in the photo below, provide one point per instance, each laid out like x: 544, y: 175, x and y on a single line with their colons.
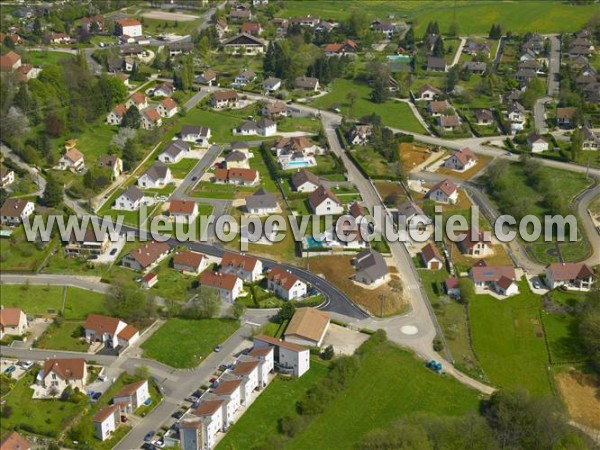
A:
x: 182, y: 168
x: 65, y: 336
x: 278, y: 400
x: 519, y: 17
x: 389, y: 385
x: 184, y: 343
x: 39, y: 58
x: 18, y: 254
x: 394, y: 114
x: 508, y: 338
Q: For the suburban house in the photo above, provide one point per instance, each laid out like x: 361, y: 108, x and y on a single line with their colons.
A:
x: 149, y: 280
x: 235, y: 159
x: 196, y: 134
x: 307, y: 83
x: 262, y: 127
x: 438, y: 107
x: 284, y: 284
x: 147, y: 256
x: 516, y: 115
x: 271, y: 84
x: 174, y: 152
x: 112, y: 163
x: 190, y: 262
x: 295, y: 145
x: 15, y: 210
x: 370, y: 267
x: 72, y: 160
x: 476, y: 67
x: 244, y: 78
x: 7, y: 177
x: 428, y: 93
x: 537, y: 143
x: 451, y: 287
x: 358, y: 212
x: 475, y: 243
x: 14, y: 441
x: 248, y: 268
x: 322, y: 201
x: 230, y: 391
x: 150, y: 118
x: 591, y: 141
x: 444, y: 192
x: 132, y: 396
x: 229, y: 285
x: 128, y: 27
x: 224, y: 99
x: 500, y: 279
x: 180, y: 48
x: 167, y: 108
x: 238, y: 176
x: 274, y: 110
x: 240, y: 13
x: 448, y: 123
x: 483, y: 117
x: 474, y: 48
x: 461, y: 160
x: 138, y: 99
x: 435, y: 64
x: 184, y: 211
x: 341, y: 49
x: 288, y: 357
x: 307, y: 327
x: 106, y: 421
x: 265, y: 356
x: 305, y: 181
x: 252, y: 28
x: 156, y: 177
x: 211, y: 414
x: 110, y: 331
x: 58, y: 373
x: 431, y: 257
x: 248, y: 372
x: 261, y: 203
x: 191, y: 432
x: 360, y: 134
x: 13, y: 322
x: 91, y: 243
x: 208, y: 77
x: 244, y: 44
x: 130, y: 200
x: 221, y: 27
x: 10, y: 62
x: 165, y: 89
x: 115, y: 117
x: 565, y: 117
x: 412, y: 217
x: 572, y: 276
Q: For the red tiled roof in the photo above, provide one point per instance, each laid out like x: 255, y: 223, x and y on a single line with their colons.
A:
x: 66, y: 368
x: 446, y: 186
x: 236, y: 260
x: 14, y: 441
x: 149, y: 253
x: 208, y: 408
x: 282, y: 277
x: 182, y: 207
x: 188, y: 258
x: 244, y: 368
x: 129, y: 331
x: 218, y: 280
x: 10, y: 317
x: 105, y: 413
x: 101, y: 324
x: 570, y: 271
x: 8, y: 61
x: 321, y: 194
x: 277, y: 342
x: 130, y: 389
x: 227, y: 387
x: 169, y: 103
x: 431, y: 252
x: 128, y: 22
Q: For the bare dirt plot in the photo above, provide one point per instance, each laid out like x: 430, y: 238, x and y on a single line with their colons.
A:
x: 339, y: 271
x: 343, y: 340
x: 497, y: 257
x: 580, y: 393
x: 391, y: 191
x: 414, y: 156
x: 482, y: 161
x: 164, y: 15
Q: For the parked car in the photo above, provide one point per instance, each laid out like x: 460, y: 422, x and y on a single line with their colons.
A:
x: 96, y: 396
x: 194, y: 178
x: 148, y: 436
x: 10, y: 370
x: 218, y: 348
x: 26, y: 365
x: 113, y: 251
x: 536, y: 285
x: 177, y: 415
x: 160, y: 443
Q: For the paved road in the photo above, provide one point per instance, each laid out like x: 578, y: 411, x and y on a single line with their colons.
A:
x: 583, y: 203
x: 498, y: 55
x: 463, y: 41
x: 40, y: 355
x: 194, y: 175
x: 198, y: 96
x: 553, y: 80
x: 539, y: 115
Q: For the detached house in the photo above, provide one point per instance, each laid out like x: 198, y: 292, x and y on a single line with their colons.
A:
x: 156, y: 177
x: 147, y: 256
x: 565, y: 117
x: 263, y: 127
x: 274, y: 109
x: 307, y: 83
x: 271, y: 84
x: 190, y: 262
x: 112, y: 163
x: 197, y: 134
x: 307, y: 327
x: 110, y: 331
x: 229, y: 285
x: 244, y: 78
x: 484, y: 117
x: 360, y: 134
x: 251, y: 28
x: 437, y: 108
x: 128, y: 27
x: 341, y: 49
x: 285, y: 284
x: 537, y: 143
x: 370, y: 267
x: 132, y: 396
x: 244, y: 44
x: 10, y: 62
x: 130, y: 200
x: 72, y: 160
x: 174, y: 152
x: 208, y: 77
x: 322, y: 201
x: 151, y: 118
x: 305, y: 181
x: 164, y: 89
x: 435, y: 64
x: 58, y: 373
x: 139, y: 100
x: 428, y: 93
x: 183, y: 211
x: 261, y: 203
x: 475, y: 243
x: 115, y: 117
x: 431, y: 257
x: 288, y: 357
x: 224, y: 99
x: 444, y: 192
x: 248, y: 268
x: 167, y: 108
x: 14, y: 441
x: 500, y: 279
x: 13, y: 322
x: 448, y: 123
x: 91, y: 243
x: 461, y: 160
x: 238, y: 176
x: 15, y: 210
x: 106, y: 421
x: 591, y: 141
x: 572, y: 276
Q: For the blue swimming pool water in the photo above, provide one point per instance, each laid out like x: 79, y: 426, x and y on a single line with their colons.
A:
x: 298, y: 163
x: 312, y: 242
x: 398, y: 57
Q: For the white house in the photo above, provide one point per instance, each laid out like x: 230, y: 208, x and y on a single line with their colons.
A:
x: 428, y: 92
x: 191, y: 432
x: 106, y: 421
x: 461, y: 160
x: 262, y: 127
x: 285, y: 284
x: 307, y: 327
x: 128, y: 27
x: 115, y: 117
x: 370, y: 267
x: 183, y: 211
x: 289, y: 358
x: 266, y: 358
x: 271, y: 84
x: 305, y: 181
x: 150, y: 118
x: 211, y: 413
x: 323, y: 201
x: 248, y: 268
x: 537, y: 143
x: 230, y: 391
x: 156, y: 177
x: 189, y: 262
x: 261, y: 203
x: 196, y: 134
x: 146, y: 256
x: 167, y: 107
x: 572, y: 276
x: 72, y: 160
x: 229, y: 285
x: 111, y: 331
x: 248, y: 372
x: 13, y: 322
x: 130, y: 200
x: 174, y: 152
x: 444, y: 192
x: 163, y: 90
x: 500, y: 279
x: 15, y: 210
x: 138, y: 99
x: 112, y: 163
x: 58, y: 373
x: 132, y: 396
x: 7, y: 177
x: 431, y: 257
x: 244, y: 78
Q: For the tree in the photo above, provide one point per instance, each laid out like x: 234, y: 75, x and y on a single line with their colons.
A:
x: 495, y: 32
x: 327, y: 353
x: 576, y: 144
x: 206, y: 306
x: 451, y: 79
x: 589, y: 326
x: 381, y: 76
x: 8, y: 42
x: 53, y: 193
x: 124, y: 134
x: 438, y: 48
x: 237, y: 310
x: 14, y: 123
x: 186, y: 76
x: 358, y: 23
x: 131, y: 154
x: 129, y: 303
x: 142, y: 372
x: 132, y: 118
x: 351, y: 96
x: 55, y: 125
x: 286, y: 312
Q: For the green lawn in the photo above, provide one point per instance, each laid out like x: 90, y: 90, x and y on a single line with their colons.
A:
x: 65, y: 336
x: 277, y: 400
x: 184, y: 343
x: 473, y: 17
x: 81, y: 302
x: 157, y: 26
x: 508, y: 338
x: 18, y: 254
x: 389, y: 385
x: 182, y: 168
x: 39, y: 58
x: 45, y: 417
x: 393, y: 113
x: 452, y: 317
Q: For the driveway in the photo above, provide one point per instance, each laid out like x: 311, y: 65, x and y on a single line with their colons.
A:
x: 344, y: 340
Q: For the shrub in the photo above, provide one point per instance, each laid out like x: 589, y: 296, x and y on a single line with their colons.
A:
x: 328, y: 353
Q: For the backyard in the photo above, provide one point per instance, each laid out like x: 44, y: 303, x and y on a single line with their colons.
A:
x: 185, y: 343
x: 63, y: 335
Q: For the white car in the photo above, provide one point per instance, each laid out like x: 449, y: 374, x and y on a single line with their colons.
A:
x: 26, y: 365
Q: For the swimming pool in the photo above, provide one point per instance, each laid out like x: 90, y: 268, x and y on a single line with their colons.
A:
x: 312, y: 242
x: 298, y: 163
x: 398, y: 57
